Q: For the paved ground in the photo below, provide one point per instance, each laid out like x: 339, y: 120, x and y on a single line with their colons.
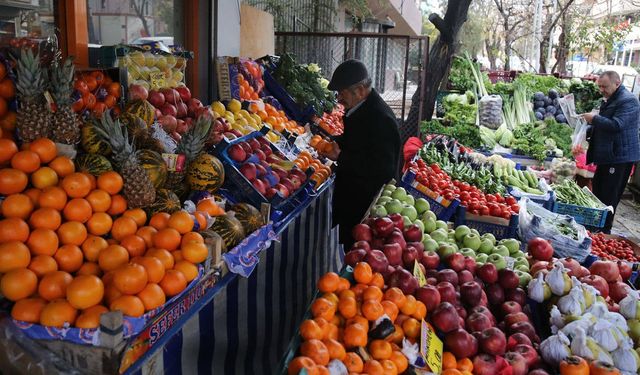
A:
x: 627, y: 219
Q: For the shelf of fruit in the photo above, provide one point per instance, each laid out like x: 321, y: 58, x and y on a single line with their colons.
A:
x: 497, y: 309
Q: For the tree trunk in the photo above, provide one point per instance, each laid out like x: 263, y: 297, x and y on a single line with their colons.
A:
x: 563, y: 47
x: 138, y: 7
x: 508, y: 41
x: 491, y: 56
x: 440, y: 57
x: 544, y: 50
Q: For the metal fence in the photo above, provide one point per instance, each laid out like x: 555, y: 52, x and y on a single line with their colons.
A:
x: 395, y: 62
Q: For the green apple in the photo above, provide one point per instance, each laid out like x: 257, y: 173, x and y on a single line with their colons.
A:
x: 446, y: 250
x: 490, y: 237
x: 481, y: 258
x: 410, y: 200
x: 429, y: 215
x: 378, y: 211
x: 394, y: 207
x: 486, y: 246
x: 386, y: 193
x: 501, y: 250
x: 498, y: 261
x: 406, y: 221
x: 384, y: 200
x: 468, y: 252
x: 634, y: 329
x: 390, y: 187
x: 519, y: 254
x: 426, y: 236
x: 439, y: 235
x: 429, y: 224
x: 409, y: 212
x: 420, y: 224
x: 461, y: 231
x: 441, y: 224
x: 422, y: 205
x: 524, y: 278
x: 512, y: 244
x: 399, y: 194
x: 521, y: 262
x: 451, y: 234
x: 475, y: 231
x: 430, y: 244
x: 522, y: 268
x: 472, y: 241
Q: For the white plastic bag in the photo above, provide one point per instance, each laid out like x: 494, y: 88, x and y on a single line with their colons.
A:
x: 625, y: 358
x: 572, y: 303
x: 582, y: 323
x: 538, y: 290
x: 555, y: 348
x: 558, y: 280
x: 604, y: 333
x: 556, y: 319
x: 587, y: 348
x: 630, y: 305
x: 579, y: 142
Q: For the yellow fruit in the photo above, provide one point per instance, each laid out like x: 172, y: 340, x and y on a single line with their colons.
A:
x: 234, y: 106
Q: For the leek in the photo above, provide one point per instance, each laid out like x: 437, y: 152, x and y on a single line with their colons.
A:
x: 477, y: 76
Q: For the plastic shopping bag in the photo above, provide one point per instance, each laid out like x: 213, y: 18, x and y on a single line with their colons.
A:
x: 579, y: 142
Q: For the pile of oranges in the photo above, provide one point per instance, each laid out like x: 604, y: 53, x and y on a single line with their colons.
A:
x: 342, y: 318
x: 71, y: 249
x: 321, y: 173
x: 247, y: 92
x: 276, y: 119
x: 7, y: 93
x: 95, y: 91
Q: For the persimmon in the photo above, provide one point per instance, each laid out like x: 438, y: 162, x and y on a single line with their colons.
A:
x: 331, y: 297
x: 28, y: 310
x: 348, y: 307
x: 147, y: 233
x: 451, y: 371
x: 465, y: 364
x: 159, y: 220
x: 449, y: 361
x: 152, y: 296
x: 401, y: 362
x: 45, y: 218
x: 173, y: 282
x: 58, y: 313
x: 18, y: 283
x: 14, y: 254
x: 347, y: 293
x: 362, y: 273
x: 8, y: 148
x: 34, y: 195
x: 129, y: 305
x: 90, y: 318
x: 343, y: 284
x: 309, y: 329
x: 154, y: 267
x: 421, y: 311
x: 316, y: 350
x: 358, y: 290
x: 191, y: 237
x: 397, y: 335
x: 99, y: 224
x: 353, y: 362
x: 377, y: 280
x: 130, y: 278
x: 54, y: 285
x: 85, y: 291
x: 410, y: 305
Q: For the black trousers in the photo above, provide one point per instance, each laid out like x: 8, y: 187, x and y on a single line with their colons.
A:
x: 609, y: 183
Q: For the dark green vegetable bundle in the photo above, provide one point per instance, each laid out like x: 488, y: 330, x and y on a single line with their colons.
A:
x: 538, y: 138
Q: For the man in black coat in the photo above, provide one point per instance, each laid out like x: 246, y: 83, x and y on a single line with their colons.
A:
x: 367, y: 152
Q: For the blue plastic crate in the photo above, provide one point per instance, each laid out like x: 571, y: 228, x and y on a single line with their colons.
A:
x: 592, y: 217
x: 487, y: 224
x: 545, y: 203
x: 293, y: 110
x: 443, y: 208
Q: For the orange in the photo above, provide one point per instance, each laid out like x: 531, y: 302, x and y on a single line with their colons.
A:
x: 99, y: 200
x: 17, y: 205
x: 465, y: 364
x: 113, y: 257
x: 401, y: 362
x: 195, y: 252
x: 118, y: 205
x: 315, y: 350
x: 76, y: 185
x: 323, y: 308
x: 147, y: 233
x: 45, y: 218
x: 138, y: 215
x: 8, y: 148
x: 13, y: 229
x: 129, y: 305
x: 372, y: 293
x: 181, y: 221
x: 90, y: 318
x: 130, y: 278
x: 34, y: 195
x: 110, y: 293
x: 160, y: 220
x: 63, y: 166
x: 134, y: 244
x: 92, y: 246
x: 44, y: 177
x: 348, y: 307
x: 43, y: 242
x: 111, y: 182
x: 389, y: 367
x: 191, y: 237
x: 57, y: 313
x: 77, y: 209
x: 167, y: 238
x: 99, y: 224
x: 362, y: 273
x: 355, y: 335
x: 209, y: 206
x: 13, y: 254
x: 309, y: 329
x: 28, y: 310
x: 89, y: 268
x: 396, y: 296
x: 42, y: 265
x: 69, y: 258
x: 152, y: 296
x: 411, y: 328
x: 45, y: 148
x: 72, y: 233
x: 173, y: 282
x: 410, y: 306
x: 25, y: 161
x: 390, y: 309
x: 163, y: 255
x: 177, y: 256
x: 12, y: 181
x: 18, y: 283
x: 122, y: 227
x: 380, y: 349
x: 299, y: 363
x: 154, y: 267
x: 54, y: 285
x: 353, y: 362
x: 85, y: 291
x: 377, y: 280
x: 328, y: 283
x: 53, y: 197
x: 188, y: 269
x: 372, y: 309
x: 373, y: 367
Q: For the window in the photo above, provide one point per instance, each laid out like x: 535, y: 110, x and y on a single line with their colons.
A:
x: 113, y: 22
x: 26, y: 18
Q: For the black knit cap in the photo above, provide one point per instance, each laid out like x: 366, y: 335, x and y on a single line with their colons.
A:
x: 346, y: 74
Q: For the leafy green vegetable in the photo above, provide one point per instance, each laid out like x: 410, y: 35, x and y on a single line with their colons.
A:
x: 531, y: 138
x: 586, y: 94
x: 535, y: 83
x: 461, y: 75
x: 503, y: 89
x: 467, y: 134
x: 304, y: 84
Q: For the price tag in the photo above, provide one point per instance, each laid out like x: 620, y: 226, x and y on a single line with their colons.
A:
x: 157, y: 80
x: 431, y: 348
x: 417, y: 273
x: 174, y: 162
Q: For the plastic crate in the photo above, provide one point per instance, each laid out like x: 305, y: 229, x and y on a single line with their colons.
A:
x: 592, y: 217
x: 545, y: 203
x: 443, y: 208
x: 499, y: 227
x: 293, y: 110
x: 237, y: 185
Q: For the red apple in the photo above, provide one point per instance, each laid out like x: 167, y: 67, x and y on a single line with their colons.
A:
x: 156, y: 98
x: 527, y: 329
x: 538, y: 266
x: 518, y: 295
x: 398, y: 221
x: 517, y: 339
x: 396, y: 236
x: 409, y: 256
x: 237, y: 153
x: 540, y: 249
x: 529, y: 353
x: 455, y: 261
x: 362, y: 232
x: 429, y: 295
x: 184, y: 92
x: 447, y: 292
x: 168, y: 123
x: 485, y: 311
x: 461, y: 343
x: 470, y: 265
x: 361, y: 245
x: 510, y: 307
x: 508, y: 279
x: 404, y: 280
x: 493, y: 341
x: 377, y: 260
x: 495, y: 294
x: 382, y: 226
x: 259, y: 185
x: 515, y: 317
x: 393, y: 252
x: 517, y: 362
x: 538, y: 371
x: 352, y: 257
x: 412, y: 233
x: 445, y: 317
x: 488, y: 273
x: 261, y: 156
x: 430, y: 260
x: 249, y: 171
x: 283, y: 190
x: 448, y: 275
x: 470, y: 293
x: 464, y: 276
x: 260, y: 169
x: 485, y: 364
x: 477, y: 322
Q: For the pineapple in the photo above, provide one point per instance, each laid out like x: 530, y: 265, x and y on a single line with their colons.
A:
x: 137, y: 189
x: 191, y: 145
x: 34, y: 117
x: 66, y: 124
x: 141, y: 134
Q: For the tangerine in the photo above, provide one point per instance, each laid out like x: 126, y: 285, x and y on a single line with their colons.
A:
x: 401, y: 362
x: 134, y: 244
x: 130, y: 278
x: 389, y: 367
x: 113, y: 257
x: 58, y: 313
x: 13, y: 229
x: 188, y: 269
x: 353, y: 362
x: 111, y: 182
x: 323, y: 308
x: 163, y: 255
x: 181, y: 221
x: 45, y: 149
x: 411, y: 328
x: 12, y: 181
x: 336, y: 350
x: 43, y: 242
x: 362, y: 273
x: 348, y: 307
x: 309, y: 329
x: 89, y: 268
x: 173, y: 282
x: 90, y: 318
x: 25, y: 161
x: 17, y: 205
x: 129, y: 305
x: 377, y: 280
x: 195, y: 252
x: 177, y: 256
x: 8, y: 148
x: 54, y: 285
x: 18, y: 283
x: 328, y: 283
x: 100, y: 224
x: 152, y: 296
x: 355, y: 335
x: 14, y: 254
x: 45, y: 218
x: 118, y: 205
x: 85, y: 291
x: 138, y: 215
x: 372, y: 310
x: 63, y: 166
x: 154, y: 267
x: 28, y: 310
x: 110, y: 293
x: 191, y: 237
x: 99, y: 200
x: 299, y: 363
x: 380, y: 349
x: 390, y: 309
x: 147, y: 233
x: 42, y: 265
x: 122, y: 227
x: 53, y: 197
x: 160, y: 220
x: 372, y: 293
x: 316, y: 350
x: 72, y: 233
x: 92, y: 246
x: 76, y: 185
x: 77, y: 209
x: 410, y: 306
x: 167, y: 238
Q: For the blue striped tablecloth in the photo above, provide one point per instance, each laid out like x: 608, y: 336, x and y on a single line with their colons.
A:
x: 243, y: 325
